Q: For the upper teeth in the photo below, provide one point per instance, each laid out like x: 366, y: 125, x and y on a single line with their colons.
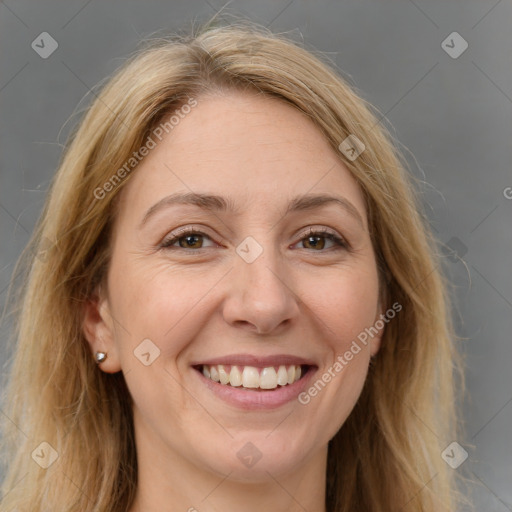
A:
x: 251, y: 377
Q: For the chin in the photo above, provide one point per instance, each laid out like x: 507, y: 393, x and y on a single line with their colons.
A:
x: 257, y: 458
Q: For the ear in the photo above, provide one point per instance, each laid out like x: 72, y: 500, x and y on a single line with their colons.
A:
x: 98, y: 328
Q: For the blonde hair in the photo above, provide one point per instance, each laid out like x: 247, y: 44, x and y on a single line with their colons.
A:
x: 387, y: 455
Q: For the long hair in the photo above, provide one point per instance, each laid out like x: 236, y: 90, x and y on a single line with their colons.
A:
x: 386, y: 456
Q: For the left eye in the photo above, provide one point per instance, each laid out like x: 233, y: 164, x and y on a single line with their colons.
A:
x: 318, y: 240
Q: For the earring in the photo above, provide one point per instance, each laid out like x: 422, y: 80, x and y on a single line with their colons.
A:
x: 100, y: 357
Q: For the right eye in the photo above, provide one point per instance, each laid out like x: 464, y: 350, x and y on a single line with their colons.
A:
x: 186, y: 239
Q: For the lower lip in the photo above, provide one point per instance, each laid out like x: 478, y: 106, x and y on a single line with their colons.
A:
x: 248, y: 399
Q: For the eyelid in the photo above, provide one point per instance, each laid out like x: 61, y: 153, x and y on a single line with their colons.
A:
x: 339, y: 240
x: 316, y: 230
x: 171, y: 238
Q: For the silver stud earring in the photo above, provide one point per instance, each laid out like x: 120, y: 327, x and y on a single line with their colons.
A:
x: 100, y: 357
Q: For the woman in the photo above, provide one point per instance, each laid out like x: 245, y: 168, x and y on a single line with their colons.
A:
x: 234, y: 302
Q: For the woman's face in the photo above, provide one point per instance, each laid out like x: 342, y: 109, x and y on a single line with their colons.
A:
x: 241, y: 241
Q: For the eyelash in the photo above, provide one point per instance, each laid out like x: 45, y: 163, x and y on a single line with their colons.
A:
x: 312, y: 232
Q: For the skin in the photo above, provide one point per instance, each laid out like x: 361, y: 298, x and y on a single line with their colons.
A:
x: 296, y: 298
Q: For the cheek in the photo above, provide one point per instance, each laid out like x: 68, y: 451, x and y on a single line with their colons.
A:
x: 346, y: 303
x: 158, y: 302
x: 346, y: 306
x: 161, y: 310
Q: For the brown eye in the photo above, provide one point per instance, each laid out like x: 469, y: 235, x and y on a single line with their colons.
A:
x: 191, y: 241
x: 314, y: 242
x: 317, y: 240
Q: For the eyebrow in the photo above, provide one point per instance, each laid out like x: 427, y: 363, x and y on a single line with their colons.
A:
x: 216, y: 203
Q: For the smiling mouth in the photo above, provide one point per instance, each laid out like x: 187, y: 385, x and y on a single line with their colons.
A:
x: 254, y: 378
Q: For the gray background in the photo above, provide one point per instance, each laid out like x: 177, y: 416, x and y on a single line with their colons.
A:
x: 453, y: 117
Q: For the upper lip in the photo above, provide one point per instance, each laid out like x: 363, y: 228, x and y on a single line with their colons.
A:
x: 257, y: 361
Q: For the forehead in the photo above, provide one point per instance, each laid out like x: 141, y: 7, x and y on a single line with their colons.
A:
x: 256, y: 150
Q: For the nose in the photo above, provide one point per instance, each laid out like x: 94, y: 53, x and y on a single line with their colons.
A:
x: 261, y: 299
